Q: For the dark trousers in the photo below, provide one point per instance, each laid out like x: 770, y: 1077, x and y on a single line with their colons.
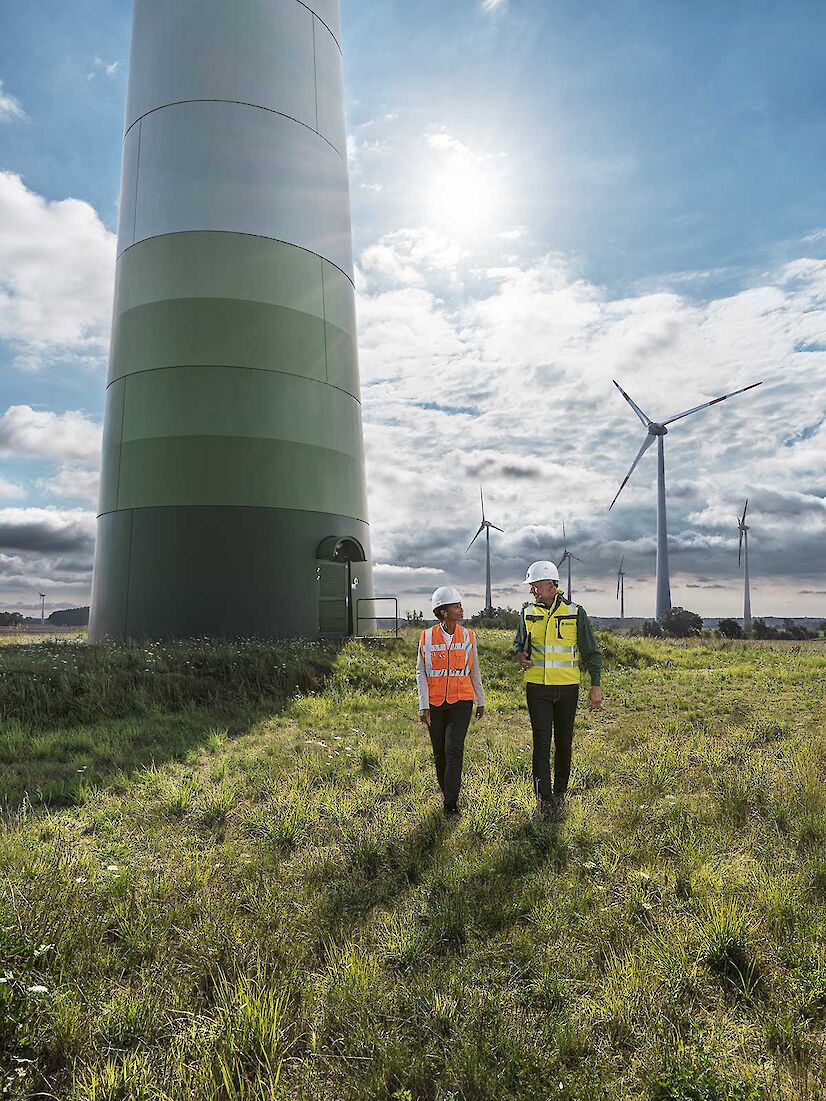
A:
x: 552, y: 708
x: 448, y: 727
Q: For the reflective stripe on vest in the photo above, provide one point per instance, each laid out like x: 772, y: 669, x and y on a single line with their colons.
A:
x: 447, y: 665
x: 553, y: 643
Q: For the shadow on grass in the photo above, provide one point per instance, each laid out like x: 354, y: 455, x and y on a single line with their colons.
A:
x: 74, y: 717
x: 377, y: 872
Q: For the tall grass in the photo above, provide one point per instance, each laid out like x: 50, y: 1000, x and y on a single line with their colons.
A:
x: 274, y: 907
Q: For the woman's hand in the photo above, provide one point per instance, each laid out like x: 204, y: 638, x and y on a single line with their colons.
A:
x: 479, y: 713
x: 424, y: 718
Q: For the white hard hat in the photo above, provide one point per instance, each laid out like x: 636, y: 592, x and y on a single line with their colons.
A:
x: 446, y: 595
x: 541, y: 571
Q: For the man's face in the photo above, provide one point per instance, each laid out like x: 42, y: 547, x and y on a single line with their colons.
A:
x: 544, y: 592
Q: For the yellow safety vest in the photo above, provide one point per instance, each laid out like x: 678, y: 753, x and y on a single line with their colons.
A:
x: 552, y: 639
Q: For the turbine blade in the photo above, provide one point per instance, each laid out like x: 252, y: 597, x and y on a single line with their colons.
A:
x: 649, y: 439
x: 482, y: 495
x: 740, y: 550
x: 618, y: 585
x: 707, y: 404
x: 745, y: 510
x: 476, y: 536
x: 495, y: 528
x: 645, y: 420
x: 564, y: 537
x: 622, y: 563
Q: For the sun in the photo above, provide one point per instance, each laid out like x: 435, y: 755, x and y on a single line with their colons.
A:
x: 463, y: 195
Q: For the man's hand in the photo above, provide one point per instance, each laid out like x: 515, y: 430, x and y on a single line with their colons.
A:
x: 524, y: 659
x: 479, y: 712
x: 424, y: 718
x: 595, y: 698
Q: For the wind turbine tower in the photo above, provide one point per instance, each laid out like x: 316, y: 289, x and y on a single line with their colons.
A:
x: 485, y: 526
x: 743, y: 559
x: 658, y: 430
x: 233, y: 497
x: 621, y: 588
x: 567, y: 557
x: 42, y: 609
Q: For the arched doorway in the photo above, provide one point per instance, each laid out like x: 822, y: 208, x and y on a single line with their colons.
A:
x: 342, y: 570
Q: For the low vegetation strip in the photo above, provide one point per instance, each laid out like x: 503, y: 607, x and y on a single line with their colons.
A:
x: 285, y: 913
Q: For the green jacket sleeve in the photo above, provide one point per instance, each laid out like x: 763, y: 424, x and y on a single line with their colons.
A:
x: 520, y: 639
x: 589, y: 649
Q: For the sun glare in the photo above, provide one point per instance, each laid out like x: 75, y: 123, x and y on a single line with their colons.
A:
x: 463, y: 196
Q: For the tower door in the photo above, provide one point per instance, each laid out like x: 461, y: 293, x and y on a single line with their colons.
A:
x: 334, y: 599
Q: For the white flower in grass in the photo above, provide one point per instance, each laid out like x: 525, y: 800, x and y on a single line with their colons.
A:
x: 112, y: 868
x: 37, y: 989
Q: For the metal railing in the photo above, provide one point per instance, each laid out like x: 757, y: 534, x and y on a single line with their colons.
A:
x: 394, y: 600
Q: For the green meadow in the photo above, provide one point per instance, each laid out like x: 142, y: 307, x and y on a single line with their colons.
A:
x: 224, y: 876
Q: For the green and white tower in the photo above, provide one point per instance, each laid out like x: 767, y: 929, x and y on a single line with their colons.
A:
x: 233, y: 498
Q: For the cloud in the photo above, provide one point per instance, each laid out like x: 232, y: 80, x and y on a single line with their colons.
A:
x: 10, y: 107
x: 37, y: 434
x: 501, y: 373
x: 72, y: 484
x: 56, y: 277
x: 48, y: 530
x: 10, y: 491
x: 103, y: 68
x: 494, y: 5
x: 386, y: 569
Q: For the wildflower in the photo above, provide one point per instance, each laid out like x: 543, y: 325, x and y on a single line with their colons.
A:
x: 112, y: 868
x: 37, y: 989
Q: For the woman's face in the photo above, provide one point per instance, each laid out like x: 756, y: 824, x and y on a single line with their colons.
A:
x: 453, y: 613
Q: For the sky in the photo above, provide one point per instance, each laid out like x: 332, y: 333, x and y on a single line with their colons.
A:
x: 547, y: 195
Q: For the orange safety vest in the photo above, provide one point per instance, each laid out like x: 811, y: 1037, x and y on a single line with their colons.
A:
x: 448, y: 664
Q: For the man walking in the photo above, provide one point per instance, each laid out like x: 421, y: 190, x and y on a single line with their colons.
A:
x: 552, y: 637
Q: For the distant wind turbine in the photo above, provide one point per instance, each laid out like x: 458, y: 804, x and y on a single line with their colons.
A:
x: 42, y: 609
x: 658, y: 430
x: 485, y: 527
x: 567, y: 557
x: 743, y: 558
x: 621, y: 588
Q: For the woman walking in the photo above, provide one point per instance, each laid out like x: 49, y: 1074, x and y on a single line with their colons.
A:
x: 448, y: 679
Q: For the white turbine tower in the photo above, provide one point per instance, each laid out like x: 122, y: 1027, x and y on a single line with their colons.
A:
x: 621, y: 588
x: 485, y: 527
x: 42, y: 609
x: 658, y: 430
x: 567, y: 557
x: 743, y: 559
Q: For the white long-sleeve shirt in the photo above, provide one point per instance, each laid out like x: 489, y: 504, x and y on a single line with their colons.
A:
x: 475, y: 675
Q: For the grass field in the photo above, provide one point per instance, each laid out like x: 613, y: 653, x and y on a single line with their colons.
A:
x: 224, y: 875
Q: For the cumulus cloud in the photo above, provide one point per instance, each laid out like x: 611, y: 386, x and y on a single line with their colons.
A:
x: 39, y: 434
x: 45, y: 530
x: 56, y: 277
x: 10, y: 107
x: 72, y: 484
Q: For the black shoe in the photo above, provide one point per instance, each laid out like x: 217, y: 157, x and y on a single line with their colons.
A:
x: 451, y: 810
